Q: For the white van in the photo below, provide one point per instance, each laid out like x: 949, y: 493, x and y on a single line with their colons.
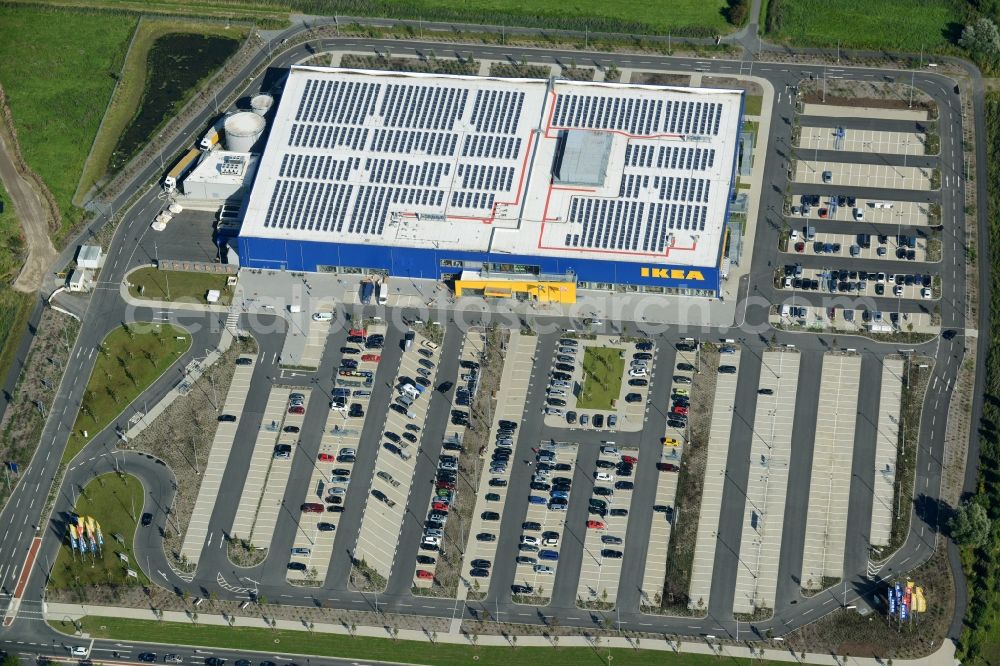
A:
x: 383, y: 293
x: 784, y: 310
x: 323, y: 316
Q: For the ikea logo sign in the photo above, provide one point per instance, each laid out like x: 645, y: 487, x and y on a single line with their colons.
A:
x: 671, y: 274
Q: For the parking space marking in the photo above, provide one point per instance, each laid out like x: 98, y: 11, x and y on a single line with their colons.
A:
x: 315, y: 343
x: 869, y: 286
x: 218, y: 459
x: 472, y: 345
x: 764, y: 509
x: 340, y: 431
x: 874, y: 211
x: 711, y: 502
x: 541, y: 581
x: 830, y: 481
x: 277, y: 478
x: 863, y: 141
x: 674, y: 441
x: 260, y: 462
x: 850, y: 174
x: 510, y: 403
x: 848, y: 246
x: 849, y: 320
x: 886, y: 441
x: 599, y: 575
x: 382, y: 521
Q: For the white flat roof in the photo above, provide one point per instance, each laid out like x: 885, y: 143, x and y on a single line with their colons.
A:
x: 466, y: 163
x: 224, y: 166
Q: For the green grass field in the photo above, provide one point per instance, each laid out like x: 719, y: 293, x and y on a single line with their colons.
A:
x: 603, y: 368
x: 752, y: 105
x: 116, y: 503
x: 183, y: 286
x: 378, y: 649
x: 887, y: 24
x: 125, y: 367
x: 58, y: 68
x: 694, y: 17
x: 14, y: 306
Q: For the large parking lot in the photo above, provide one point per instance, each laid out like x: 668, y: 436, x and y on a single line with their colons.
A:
x: 396, y: 461
x: 860, y: 283
x: 599, y: 383
x: 862, y: 141
x: 867, y: 212
x: 862, y: 246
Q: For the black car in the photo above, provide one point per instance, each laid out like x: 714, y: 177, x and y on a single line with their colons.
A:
x: 355, y: 338
x: 531, y: 525
x: 562, y: 467
x: 498, y: 483
x: 508, y: 425
x: 148, y: 657
x: 949, y: 334
x: 677, y: 423
x: 612, y: 540
x: 490, y: 515
x: 349, y: 364
x: 296, y: 566
x: 147, y: 519
x: 326, y: 527
x: 423, y: 381
x: 556, y: 402
x: 426, y: 363
x: 598, y: 420
x: 597, y: 511
x: 398, y: 408
x: 619, y: 512
x: 642, y: 356
x: 604, y: 464
x: 356, y: 410
x: 486, y: 536
x: 633, y: 397
x: 602, y: 491
x: 561, y: 376
x: 243, y: 662
x: 624, y: 485
x: 451, y: 446
x: 479, y: 573
x: 227, y: 418
x: 638, y: 381
x: 611, y: 553
x: 565, y: 367
x: 244, y: 361
x: 426, y: 559
x: 214, y: 661
x: 645, y: 345
x: 538, y: 485
x: 521, y: 589
x: 334, y: 508
x: 291, y: 429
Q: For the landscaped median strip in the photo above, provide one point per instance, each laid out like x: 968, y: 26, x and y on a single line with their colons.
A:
x: 412, y: 645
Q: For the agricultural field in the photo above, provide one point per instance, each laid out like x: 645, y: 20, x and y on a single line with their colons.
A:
x: 702, y: 18
x: 888, y: 24
x: 58, y: 95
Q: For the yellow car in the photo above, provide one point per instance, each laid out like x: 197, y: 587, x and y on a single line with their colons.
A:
x: 680, y: 391
x: 670, y: 441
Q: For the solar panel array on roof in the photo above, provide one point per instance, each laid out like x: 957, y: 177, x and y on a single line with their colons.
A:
x: 412, y: 120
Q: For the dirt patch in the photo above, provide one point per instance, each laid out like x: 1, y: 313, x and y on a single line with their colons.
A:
x: 660, y: 79
x: 690, y: 484
x: 430, y: 64
x: 182, y: 438
x: 578, y: 73
x: 751, y: 87
x: 520, y: 70
x: 873, y: 94
x: 36, y: 208
x: 23, y: 420
x: 847, y: 633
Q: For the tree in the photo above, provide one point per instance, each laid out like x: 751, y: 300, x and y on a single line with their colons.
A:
x: 612, y: 73
x: 981, y: 39
x: 970, y: 526
x: 10, y: 660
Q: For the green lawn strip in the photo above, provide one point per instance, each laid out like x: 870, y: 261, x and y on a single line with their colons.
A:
x: 127, y: 363
x: 15, y: 309
x: 129, y: 94
x: 602, y: 383
x: 116, y: 503
x: 377, y: 649
x: 183, y: 286
x: 861, y: 24
x: 58, y: 68
x: 752, y: 105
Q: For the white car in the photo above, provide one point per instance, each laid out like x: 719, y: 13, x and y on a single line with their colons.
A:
x: 638, y: 372
x: 604, y: 476
x: 859, y: 214
x: 926, y: 292
x: 431, y: 541
x: 323, y: 316
x: 610, y: 450
x: 543, y: 569
x: 529, y: 540
x: 794, y: 236
x: 80, y: 650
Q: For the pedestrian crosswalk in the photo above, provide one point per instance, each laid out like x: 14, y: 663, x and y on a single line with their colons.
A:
x: 233, y: 319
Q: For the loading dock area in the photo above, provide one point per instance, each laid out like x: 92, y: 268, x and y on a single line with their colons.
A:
x: 830, y: 481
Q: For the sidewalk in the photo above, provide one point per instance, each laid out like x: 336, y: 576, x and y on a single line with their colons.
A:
x: 945, y: 656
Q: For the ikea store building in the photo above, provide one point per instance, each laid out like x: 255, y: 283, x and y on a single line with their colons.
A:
x: 524, y: 188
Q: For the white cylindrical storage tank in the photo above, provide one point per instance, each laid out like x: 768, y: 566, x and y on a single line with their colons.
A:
x: 243, y: 129
x: 261, y: 104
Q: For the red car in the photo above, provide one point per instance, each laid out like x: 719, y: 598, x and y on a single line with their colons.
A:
x: 298, y: 409
x: 326, y: 457
x: 446, y: 484
x: 823, y: 212
x: 424, y: 575
x: 312, y: 507
x: 595, y: 525
x: 631, y: 460
x: 800, y: 247
x: 372, y: 358
x: 683, y: 411
x: 440, y: 506
x: 360, y: 332
x: 667, y: 467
